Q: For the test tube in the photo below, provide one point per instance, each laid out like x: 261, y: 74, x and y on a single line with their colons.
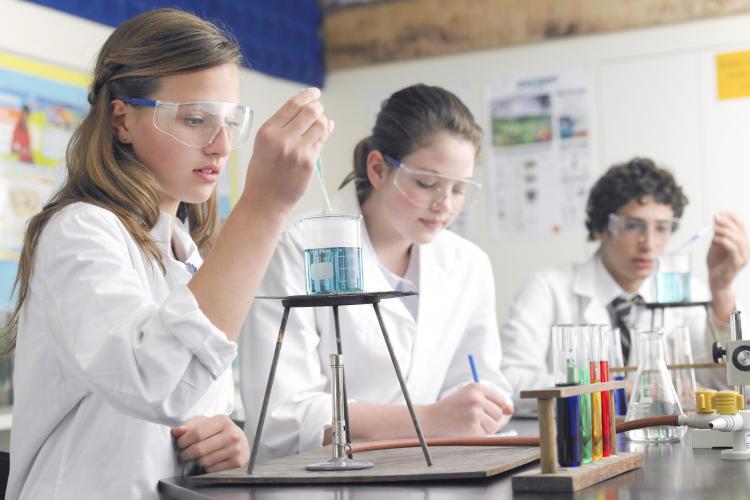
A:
x: 583, y: 334
x: 596, y: 397
x: 568, y: 409
x: 616, y: 361
x: 604, y: 337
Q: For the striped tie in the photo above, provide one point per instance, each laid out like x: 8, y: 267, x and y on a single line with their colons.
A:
x: 621, y: 309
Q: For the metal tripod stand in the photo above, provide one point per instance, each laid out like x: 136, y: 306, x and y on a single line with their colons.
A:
x: 335, y: 301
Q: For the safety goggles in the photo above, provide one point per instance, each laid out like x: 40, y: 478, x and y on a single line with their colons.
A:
x: 427, y: 189
x: 625, y: 226
x: 196, y: 124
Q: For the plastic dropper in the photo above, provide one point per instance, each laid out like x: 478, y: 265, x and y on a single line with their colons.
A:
x: 695, y: 237
x: 319, y: 168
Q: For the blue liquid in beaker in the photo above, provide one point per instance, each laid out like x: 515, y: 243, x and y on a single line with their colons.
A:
x: 673, y: 287
x: 333, y: 270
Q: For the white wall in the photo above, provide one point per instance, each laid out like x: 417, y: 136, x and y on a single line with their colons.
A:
x: 654, y: 94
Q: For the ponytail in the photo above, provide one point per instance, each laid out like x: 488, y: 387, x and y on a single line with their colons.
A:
x: 359, y: 173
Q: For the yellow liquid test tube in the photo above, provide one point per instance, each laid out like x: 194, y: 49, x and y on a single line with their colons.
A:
x: 596, y: 425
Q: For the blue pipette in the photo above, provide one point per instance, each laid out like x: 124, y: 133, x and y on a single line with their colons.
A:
x: 695, y: 237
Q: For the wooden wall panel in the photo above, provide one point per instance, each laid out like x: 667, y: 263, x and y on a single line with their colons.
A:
x: 407, y: 29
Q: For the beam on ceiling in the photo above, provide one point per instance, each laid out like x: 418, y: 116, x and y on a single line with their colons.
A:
x: 409, y: 29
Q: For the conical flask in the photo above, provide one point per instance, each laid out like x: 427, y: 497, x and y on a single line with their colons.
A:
x: 653, y: 393
x: 679, y: 352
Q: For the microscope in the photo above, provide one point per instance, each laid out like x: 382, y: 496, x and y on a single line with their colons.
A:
x: 737, y: 356
x: 721, y: 420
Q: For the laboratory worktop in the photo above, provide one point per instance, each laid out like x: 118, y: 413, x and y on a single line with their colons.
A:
x: 672, y: 470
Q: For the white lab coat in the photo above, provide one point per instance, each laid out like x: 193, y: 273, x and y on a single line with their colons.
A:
x: 579, y: 294
x: 456, y: 317
x: 110, y: 354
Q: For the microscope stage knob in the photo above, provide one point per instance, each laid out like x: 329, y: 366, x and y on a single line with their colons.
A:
x: 718, y: 352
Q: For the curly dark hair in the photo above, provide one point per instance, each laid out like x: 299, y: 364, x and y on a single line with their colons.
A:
x: 634, y: 180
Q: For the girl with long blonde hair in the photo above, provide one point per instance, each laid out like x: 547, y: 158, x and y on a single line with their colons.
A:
x: 125, y: 335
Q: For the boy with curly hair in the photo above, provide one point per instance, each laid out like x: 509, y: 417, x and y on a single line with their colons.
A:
x: 632, y: 211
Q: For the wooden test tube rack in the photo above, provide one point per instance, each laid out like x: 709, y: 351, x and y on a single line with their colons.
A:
x: 685, y: 366
x: 548, y: 477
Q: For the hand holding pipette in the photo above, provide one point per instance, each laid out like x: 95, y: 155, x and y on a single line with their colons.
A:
x: 286, y: 148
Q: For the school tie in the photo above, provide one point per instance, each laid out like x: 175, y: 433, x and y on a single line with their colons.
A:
x: 621, y: 309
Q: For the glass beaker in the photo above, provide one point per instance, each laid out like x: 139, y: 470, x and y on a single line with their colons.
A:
x: 673, y: 278
x: 333, y: 253
x: 653, y: 393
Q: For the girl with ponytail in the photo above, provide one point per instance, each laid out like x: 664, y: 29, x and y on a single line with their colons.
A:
x: 411, y: 178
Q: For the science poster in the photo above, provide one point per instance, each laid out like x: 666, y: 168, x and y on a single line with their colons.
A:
x: 540, y: 153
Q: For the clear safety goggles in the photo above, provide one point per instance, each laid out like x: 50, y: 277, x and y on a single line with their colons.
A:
x: 427, y: 189
x: 625, y: 226
x: 198, y: 123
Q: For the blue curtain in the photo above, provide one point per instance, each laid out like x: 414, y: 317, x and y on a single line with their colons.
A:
x: 278, y: 37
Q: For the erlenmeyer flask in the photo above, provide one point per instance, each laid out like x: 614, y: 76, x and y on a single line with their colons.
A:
x: 653, y: 393
x: 679, y: 352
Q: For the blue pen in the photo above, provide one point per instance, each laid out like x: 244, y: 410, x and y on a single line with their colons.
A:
x: 473, y: 368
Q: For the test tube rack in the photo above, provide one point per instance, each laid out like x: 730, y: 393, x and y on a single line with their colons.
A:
x: 551, y: 478
x: 682, y: 366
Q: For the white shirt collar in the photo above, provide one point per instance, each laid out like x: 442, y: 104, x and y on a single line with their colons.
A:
x: 172, y: 231
x: 410, y: 280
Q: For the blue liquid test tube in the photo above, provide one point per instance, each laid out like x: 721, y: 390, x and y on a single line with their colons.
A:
x: 616, y: 361
x: 621, y: 400
x: 568, y: 409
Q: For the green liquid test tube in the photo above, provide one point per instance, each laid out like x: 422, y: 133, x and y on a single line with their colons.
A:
x: 583, y: 334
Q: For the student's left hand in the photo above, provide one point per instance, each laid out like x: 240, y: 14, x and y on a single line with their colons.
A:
x: 215, y: 443
x: 729, y: 252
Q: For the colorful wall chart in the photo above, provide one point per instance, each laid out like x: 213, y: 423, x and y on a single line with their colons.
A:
x: 41, y: 104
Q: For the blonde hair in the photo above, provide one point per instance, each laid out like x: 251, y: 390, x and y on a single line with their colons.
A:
x: 105, y: 172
